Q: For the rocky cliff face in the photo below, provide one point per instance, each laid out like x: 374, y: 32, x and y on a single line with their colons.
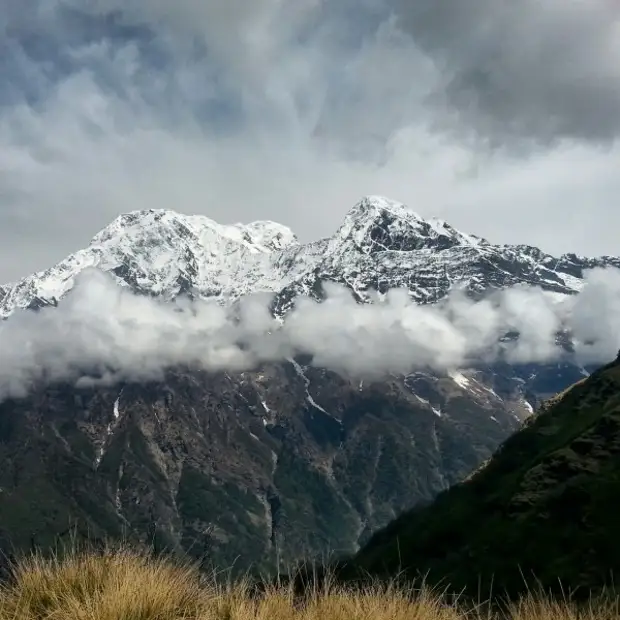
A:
x: 287, y: 461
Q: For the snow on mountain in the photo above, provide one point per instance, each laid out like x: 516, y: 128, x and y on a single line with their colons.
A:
x: 166, y: 253
x: 377, y: 224
x: 380, y: 245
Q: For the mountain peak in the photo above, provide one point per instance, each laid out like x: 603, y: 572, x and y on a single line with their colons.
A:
x: 259, y: 236
x: 372, y: 205
x: 381, y: 244
x: 379, y: 224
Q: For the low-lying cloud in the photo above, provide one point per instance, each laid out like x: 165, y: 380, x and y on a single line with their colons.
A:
x: 101, y: 332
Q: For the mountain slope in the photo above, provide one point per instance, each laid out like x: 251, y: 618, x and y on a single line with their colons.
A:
x: 546, y: 504
x: 286, y: 461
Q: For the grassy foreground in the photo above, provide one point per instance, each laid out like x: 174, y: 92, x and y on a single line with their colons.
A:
x: 121, y: 584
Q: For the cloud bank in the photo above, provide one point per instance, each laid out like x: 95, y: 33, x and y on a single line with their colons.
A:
x: 101, y: 332
x: 486, y: 113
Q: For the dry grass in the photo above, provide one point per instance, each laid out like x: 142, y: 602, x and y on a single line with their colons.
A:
x: 120, y: 584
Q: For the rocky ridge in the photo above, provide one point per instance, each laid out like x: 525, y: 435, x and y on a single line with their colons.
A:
x: 380, y: 245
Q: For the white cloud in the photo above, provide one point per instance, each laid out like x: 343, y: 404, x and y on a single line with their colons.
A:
x: 595, y: 319
x: 103, y: 332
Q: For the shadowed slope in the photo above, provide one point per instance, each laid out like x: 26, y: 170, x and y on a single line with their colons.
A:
x: 546, y: 505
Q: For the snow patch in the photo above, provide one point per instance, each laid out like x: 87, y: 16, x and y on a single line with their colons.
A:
x: 300, y: 371
x: 460, y: 379
x: 109, y: 430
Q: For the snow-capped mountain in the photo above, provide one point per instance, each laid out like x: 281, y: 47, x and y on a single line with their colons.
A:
x: 380, y: 245
x: 288, y: 460
x: 166, y: 253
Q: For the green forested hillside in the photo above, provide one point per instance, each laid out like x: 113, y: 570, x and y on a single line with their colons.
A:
x: 546, y: 505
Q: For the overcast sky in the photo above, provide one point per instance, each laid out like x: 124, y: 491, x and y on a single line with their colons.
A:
x: 500, y: 116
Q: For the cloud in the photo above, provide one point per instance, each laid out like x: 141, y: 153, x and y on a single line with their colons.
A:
x: 524, y: 68
x: 291, y: 110
x: 595, y: 316
x: 101, y: 332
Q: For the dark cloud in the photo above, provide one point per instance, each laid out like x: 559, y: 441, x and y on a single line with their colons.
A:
x: 545, y: 70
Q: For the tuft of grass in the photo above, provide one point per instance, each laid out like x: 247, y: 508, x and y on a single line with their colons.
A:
x: 540, y: 607
x: 124, y: 584
x: 112, y: 584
